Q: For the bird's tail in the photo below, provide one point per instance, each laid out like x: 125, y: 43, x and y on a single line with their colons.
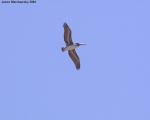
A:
x: 63, y: 49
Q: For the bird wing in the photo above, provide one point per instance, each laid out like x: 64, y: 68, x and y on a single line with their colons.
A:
x: 67, y: 35
x: 73, y: 55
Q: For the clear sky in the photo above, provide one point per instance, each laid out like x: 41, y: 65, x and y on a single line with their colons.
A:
x: 39, y: 82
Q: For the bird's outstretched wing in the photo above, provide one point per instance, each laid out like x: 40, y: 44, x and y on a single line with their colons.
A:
x: 67, y: 35
x: 73, y: 55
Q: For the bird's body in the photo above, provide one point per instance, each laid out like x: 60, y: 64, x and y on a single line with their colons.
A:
x: 70, y: 46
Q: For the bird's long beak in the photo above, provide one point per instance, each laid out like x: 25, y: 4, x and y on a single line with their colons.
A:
x: 82, y: 44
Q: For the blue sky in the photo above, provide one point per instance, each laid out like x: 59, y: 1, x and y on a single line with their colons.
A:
x: 39, y: 82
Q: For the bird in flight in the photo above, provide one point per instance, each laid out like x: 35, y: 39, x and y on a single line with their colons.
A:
x: 70, y: 46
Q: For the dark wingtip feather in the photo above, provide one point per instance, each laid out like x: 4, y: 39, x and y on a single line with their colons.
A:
x: 65, y: 24
x: 78, y: 67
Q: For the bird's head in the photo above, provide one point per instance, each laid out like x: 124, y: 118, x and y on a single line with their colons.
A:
x: 78, y: 44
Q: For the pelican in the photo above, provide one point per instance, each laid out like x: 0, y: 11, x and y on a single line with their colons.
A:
x: 70, y: 46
